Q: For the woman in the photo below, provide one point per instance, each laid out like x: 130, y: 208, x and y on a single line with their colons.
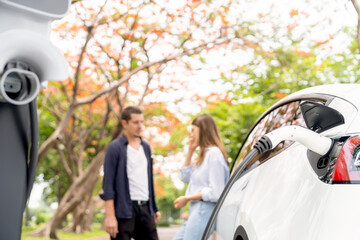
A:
x: 207, y: 177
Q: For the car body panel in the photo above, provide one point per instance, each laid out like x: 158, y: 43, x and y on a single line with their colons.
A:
x: 291, y: 203
x: 348, y: 92
x: 283, y: 198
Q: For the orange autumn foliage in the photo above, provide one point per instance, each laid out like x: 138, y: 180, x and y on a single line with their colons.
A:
x: 279, y: 95
x: 294, y: 12
x: 302, y: 53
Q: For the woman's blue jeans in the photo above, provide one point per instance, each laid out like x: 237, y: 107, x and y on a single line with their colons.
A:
x: 199, y: 214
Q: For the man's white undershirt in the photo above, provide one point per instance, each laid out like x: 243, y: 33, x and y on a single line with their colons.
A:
x: 137, y: 173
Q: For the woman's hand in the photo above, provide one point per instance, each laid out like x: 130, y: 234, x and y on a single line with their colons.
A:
x: 181, y: 202
x: 193, y: 143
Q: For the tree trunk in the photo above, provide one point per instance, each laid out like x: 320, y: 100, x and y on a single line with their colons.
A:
x: 78, y: 216
x: 83, y: 216
x: 89, y: 215
x: 77, y: 192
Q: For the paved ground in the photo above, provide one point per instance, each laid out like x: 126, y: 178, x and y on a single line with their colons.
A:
x: 165, y: 233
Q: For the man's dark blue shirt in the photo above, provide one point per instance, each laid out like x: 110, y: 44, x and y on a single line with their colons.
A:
x: 116, y: 182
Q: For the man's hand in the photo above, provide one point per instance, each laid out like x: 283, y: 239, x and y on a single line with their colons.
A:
x: 111, y: 226
x: 180, y: 202
x: 157, y: 216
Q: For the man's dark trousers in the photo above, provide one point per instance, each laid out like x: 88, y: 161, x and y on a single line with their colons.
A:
x: 140, y: 227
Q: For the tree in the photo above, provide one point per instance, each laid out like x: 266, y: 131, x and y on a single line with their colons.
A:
x: 292, y: 64
x: 119, y: 53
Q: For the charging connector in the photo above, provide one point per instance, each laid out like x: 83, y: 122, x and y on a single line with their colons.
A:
x: 18, y: 84
x: 310, y: 139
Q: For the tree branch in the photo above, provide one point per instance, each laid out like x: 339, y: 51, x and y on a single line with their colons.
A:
x: 64, y: 163
x: 50, y: 141
x: 78, y: 68
x: 83, y: 50
x: 126, y: 77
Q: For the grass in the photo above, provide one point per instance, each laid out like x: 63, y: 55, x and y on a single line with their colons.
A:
x: 97, y: 232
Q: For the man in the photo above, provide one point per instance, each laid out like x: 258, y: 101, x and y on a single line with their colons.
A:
x: 130, y: 208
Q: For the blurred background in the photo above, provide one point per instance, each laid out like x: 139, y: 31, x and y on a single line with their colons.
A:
x: 175, y: 59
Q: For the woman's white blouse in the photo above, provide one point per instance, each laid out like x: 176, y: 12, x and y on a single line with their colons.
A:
x: 209, y: 178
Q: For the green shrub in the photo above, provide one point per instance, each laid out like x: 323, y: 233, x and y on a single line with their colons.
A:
x: 41, y: 217
x: 163, y: 224
x: 98, y: 218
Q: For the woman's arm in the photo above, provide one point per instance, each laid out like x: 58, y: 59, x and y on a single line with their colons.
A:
x: 218, y: 174
x: 183, y: 200
x: 188, y: 157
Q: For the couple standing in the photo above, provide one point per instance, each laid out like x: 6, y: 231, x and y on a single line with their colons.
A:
x: 130, y: 208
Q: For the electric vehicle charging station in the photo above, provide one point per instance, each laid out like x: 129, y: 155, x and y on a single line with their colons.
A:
x: 27, y: 61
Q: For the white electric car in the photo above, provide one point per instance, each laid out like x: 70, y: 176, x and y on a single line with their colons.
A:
x: 307, y: 187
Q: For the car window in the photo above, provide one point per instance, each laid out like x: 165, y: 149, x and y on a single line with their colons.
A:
x: 285, y: 115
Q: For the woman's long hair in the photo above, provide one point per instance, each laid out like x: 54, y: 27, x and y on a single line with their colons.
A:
x: 208, y: 136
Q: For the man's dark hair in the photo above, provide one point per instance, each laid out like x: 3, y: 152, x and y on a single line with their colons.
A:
x: 126, y: 113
